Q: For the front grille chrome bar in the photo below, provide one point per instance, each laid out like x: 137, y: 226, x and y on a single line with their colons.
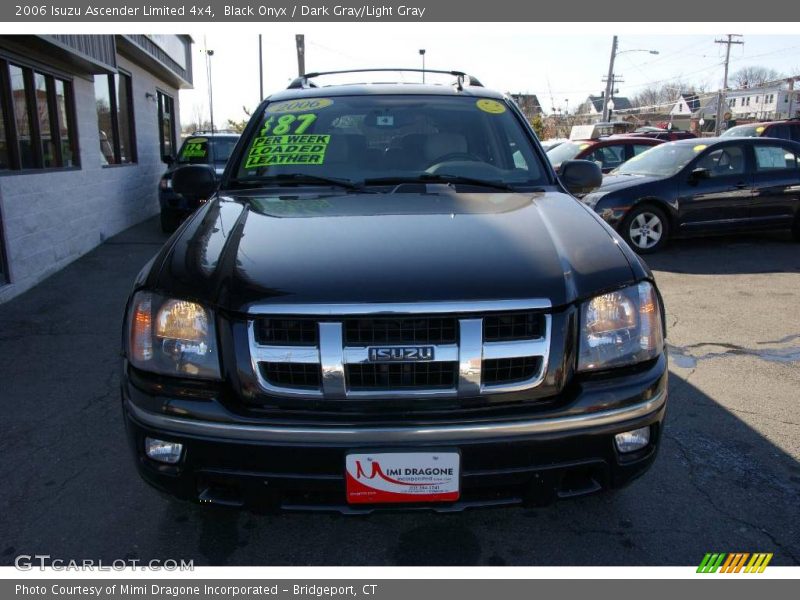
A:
x: 332, y: 356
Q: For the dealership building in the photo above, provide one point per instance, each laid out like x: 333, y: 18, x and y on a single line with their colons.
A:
x: 84, y: 123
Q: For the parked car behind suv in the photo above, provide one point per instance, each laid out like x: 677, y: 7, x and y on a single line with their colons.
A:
x: 201, y: 148
x: 608, y: 153
x: 697, y: 187
x: 392, y: 300
x: 785, y: 130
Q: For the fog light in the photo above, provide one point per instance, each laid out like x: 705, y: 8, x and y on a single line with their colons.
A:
x: 165, y: 452
x: 630, y: 441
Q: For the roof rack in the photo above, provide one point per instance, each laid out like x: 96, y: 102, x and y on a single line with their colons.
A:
x: 303, y: 82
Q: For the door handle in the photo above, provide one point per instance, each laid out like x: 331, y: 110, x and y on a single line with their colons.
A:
x: 741, y: 185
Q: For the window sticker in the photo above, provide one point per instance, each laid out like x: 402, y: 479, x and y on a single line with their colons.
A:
x: 583, y: 146
x: 297, y: 106
x: 760, y: 129
x: 700, y: 147
x: 195, y: 148
x: 492, y: 107
x: 283, y: 141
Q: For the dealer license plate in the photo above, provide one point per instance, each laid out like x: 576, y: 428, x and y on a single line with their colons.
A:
x: 402, y: 477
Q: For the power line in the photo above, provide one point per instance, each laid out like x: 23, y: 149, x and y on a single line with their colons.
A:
x: 728, y: 43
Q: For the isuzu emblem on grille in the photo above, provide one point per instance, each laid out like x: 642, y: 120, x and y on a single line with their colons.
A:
x: 400, y: 354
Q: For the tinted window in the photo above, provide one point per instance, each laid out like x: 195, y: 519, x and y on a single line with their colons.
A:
x: 609, y: 157
x: 743, y: 131
x: 638, y: 149
x: 566, y: 151
x: 373, y: 137
x: 661, y: 161
x: 772, y: 158
x: 725, y: 161
x: 778, y: 131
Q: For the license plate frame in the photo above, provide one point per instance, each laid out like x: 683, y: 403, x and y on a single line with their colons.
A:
x: 402, y: 476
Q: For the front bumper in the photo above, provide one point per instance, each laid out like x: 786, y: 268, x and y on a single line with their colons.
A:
x: 532, y: 460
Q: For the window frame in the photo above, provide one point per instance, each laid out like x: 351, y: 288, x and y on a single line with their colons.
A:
x: 173, y: 140
x: 114, y: 114
x: 29, y: 71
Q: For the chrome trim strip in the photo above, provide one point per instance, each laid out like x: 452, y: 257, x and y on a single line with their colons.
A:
x: 390, y: 435
x: 286, y: 354
x: 538, y: 348
x: 255, y: 357
x: 470, y: 356
x: 360, y: 354
x: 331, y: 353
x: 397, y: 308
x: 515, y: 349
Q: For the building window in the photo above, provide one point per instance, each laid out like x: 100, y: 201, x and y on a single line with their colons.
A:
x: 166, y: 124
x: 113, y: 98
x: 37, y: 128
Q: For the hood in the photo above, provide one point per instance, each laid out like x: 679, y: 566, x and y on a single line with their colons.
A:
x: 613, y: 183
x: 353, y: 248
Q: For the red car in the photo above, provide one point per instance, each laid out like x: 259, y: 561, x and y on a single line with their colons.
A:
x: 608, y: 152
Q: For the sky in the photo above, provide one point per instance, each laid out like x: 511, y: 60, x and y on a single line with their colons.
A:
x: 562, y: 69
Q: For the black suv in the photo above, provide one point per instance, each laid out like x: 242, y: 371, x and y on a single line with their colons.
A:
x: 201, y: 148
x: 391, y: 300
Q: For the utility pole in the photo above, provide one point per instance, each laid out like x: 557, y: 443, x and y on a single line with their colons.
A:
x: 720, y: 99
x: 300, y: 40
x: 260, y: 70
x: 610, y: 79
x: 791, y: 97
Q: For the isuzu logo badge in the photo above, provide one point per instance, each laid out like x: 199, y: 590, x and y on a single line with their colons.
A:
x: 400, y: 354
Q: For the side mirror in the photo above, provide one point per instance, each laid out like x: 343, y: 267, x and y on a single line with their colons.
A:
x: 579, y: 176
x: 698, y: 174
x: 196, y: 182
x: 167, y: 159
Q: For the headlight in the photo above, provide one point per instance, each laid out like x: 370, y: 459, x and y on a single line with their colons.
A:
x: 172, y: 337
x: 593, y: 198
x: 620, y: 328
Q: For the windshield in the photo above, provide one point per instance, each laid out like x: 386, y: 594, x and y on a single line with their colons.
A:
x: 380, y: 139
x: 566, y: 151
x: 661, y: 161
x: 196, y: 150
x: 744, y: 131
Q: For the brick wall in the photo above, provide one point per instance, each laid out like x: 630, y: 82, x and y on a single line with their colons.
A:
x: 50, y: 219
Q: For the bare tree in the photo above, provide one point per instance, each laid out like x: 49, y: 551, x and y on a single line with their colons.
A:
x: 754, y: 76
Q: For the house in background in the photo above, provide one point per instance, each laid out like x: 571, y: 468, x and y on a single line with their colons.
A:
x: 592, y: 108
x: 528, y: 104
x: 84, y: 123
x: 763, y: 103
x: 685, y: 105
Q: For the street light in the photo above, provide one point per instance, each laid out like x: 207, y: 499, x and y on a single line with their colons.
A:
x: 422, y: 54
x: 209, y: 54
x: 610, y: 78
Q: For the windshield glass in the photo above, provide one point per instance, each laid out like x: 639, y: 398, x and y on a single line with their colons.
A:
x: 565, y: 151
x: 744, y: 131
x: 201, y: 150
x: 661, y: 161
x: 377, y: 139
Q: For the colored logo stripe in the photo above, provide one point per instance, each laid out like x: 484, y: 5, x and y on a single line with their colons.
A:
x: 734, y: 562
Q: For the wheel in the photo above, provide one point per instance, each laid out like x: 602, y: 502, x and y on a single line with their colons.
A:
x: 646, y: 229
x: 169, y: 221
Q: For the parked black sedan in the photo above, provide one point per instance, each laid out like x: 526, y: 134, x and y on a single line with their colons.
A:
x: 701, y: 186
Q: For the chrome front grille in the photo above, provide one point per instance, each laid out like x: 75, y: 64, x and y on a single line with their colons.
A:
x: 323, y: 351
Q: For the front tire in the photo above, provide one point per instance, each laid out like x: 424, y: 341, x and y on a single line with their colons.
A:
x: 646, y: 229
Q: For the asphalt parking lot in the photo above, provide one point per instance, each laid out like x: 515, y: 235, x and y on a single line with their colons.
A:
x: 727, y: 478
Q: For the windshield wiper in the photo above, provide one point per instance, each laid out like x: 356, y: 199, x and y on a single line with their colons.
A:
x: 436, y: 178
x: 302, y: 178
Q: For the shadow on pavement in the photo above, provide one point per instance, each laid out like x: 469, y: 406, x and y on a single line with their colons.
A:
x: 743, y: 253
